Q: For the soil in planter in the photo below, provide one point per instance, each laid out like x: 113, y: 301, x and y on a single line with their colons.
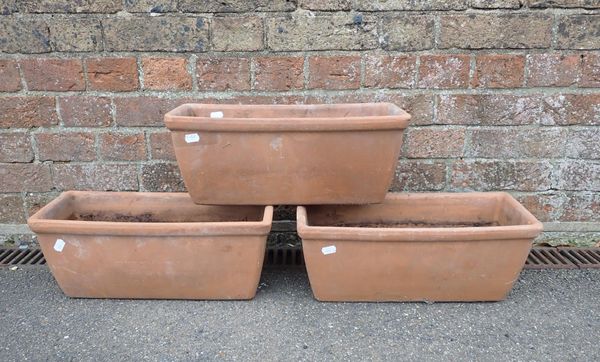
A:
x: 147, y: 217
x: 417, y: 225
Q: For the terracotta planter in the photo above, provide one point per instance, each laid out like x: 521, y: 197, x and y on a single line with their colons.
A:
x: 417, y: 247
x: 287, y: 154
x: 152, y: 245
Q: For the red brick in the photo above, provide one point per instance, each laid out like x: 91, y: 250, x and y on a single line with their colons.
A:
x: 11, y: 209
x: 82, y: 111
x: 389, y: 71
x: 18, y: 177
x: 494, y: 175
x: 278, y: 73
x: 66, y: 146
x: 552, y: 70
x: 143, y: 111
x: 161, y: 146
x: 488, y: 109
x: 219, y: 74
x: 434, y: 142
x: 112, y: 74
x: 570, y: 109
x: 122, y: 146
x: 544, y: 206
x: 35, y: 201
x: 278, y: 99
x: 584, y: 143
x: 334, y: 72
x: 47, y: 74
x: 92, y: 176
x: 499, y: 71
x: 10, y: 80
x: 162, y: 177
x: 15, y: 147
x: 27, y: 112
x: 444, y: 71
x: 517, y: 142
x: 590, y: 70
x: 166, y: 74
x: 416, y: 175
x: 578, y: 175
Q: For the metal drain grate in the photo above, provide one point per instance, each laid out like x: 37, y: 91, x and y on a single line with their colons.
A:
x: 563, y: 258
x: 21, y: 257
x: 284, y: 257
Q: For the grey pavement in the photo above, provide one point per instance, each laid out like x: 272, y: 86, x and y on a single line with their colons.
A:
x: 550, y: 315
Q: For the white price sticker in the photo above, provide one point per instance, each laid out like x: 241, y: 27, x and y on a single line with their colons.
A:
x: 192, y: 137
x: 59, y: 245
x: 328, y: 250
x: 217, y: 114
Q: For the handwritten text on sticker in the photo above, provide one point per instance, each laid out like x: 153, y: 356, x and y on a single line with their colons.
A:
x: 192, y: 137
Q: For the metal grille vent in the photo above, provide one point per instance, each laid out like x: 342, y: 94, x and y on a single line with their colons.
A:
x: 21, y: 257
x: 284, y: 257
x: 563, y: 258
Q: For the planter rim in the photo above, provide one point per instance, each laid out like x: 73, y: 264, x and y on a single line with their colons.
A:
x: 41, y: 223
x: 178, y: 120
x: 530, y: 230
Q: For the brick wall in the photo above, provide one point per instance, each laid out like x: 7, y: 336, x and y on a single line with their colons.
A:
x: 505, y: 95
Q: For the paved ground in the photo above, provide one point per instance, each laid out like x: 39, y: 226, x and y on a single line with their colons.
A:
x: 550, y: 315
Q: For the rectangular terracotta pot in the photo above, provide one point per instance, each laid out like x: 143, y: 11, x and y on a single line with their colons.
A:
x: 287, y: 154
x: 152, y: 245
x: 417, y: 247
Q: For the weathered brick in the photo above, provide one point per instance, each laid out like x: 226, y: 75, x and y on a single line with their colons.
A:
x: 407, y: 32
x: 444, y: 71
x: 52, y: 74
x: 92, y: 176
x: 410, y: 5
x: 588, y: 4
x: 434, y: 142
x: 417, y: 175
x: 496, y: 4
x: 24, y: 35
x: 254, y: 99
x: 112, y: 74
x: 82, y: 111
x: 26, y: 112
x: 482, y: 31
x: 69, y: 6
x: 66, y: 146
x: 517, y: 142
x: 488, y: 109
x: 75, y: 34
x: 552, y: 70
x: 499, y: 71
x: 545, y: 206
x: 10, y: 80
x: 11, y: 209
x: 162, y: 177
x: 221, y: 74
x: 115, y: 146
x: 278, y: 73
x: 334, y: 72
x: 581, y: 206
x: 336, y: 5
x: 144, y: 33
x: 161, y: 146
x: 235, y: 6
x: 35, y: 201
x: 151, y: 6
x: 389, y: 71
x: 143, y: 111
x: 18, y: 177
x: 16, y: 147
x: 584, y: 143
x: 578, y: 32
x: 237, y: 33
x: 493, y: 175
x: 570, y: 109
x: 590, y: 70
x: 305, y: 31
x: 8, y: 7
x: 578, y: 175
x: 166, y: 73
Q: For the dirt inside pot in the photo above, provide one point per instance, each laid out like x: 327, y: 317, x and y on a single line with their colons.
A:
x: 146, y: 217
x: 416, y: 224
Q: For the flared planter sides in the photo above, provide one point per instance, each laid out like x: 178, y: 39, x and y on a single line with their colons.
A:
x: 152, y: 245
x: 417, y: 247
x: 287, y: 154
